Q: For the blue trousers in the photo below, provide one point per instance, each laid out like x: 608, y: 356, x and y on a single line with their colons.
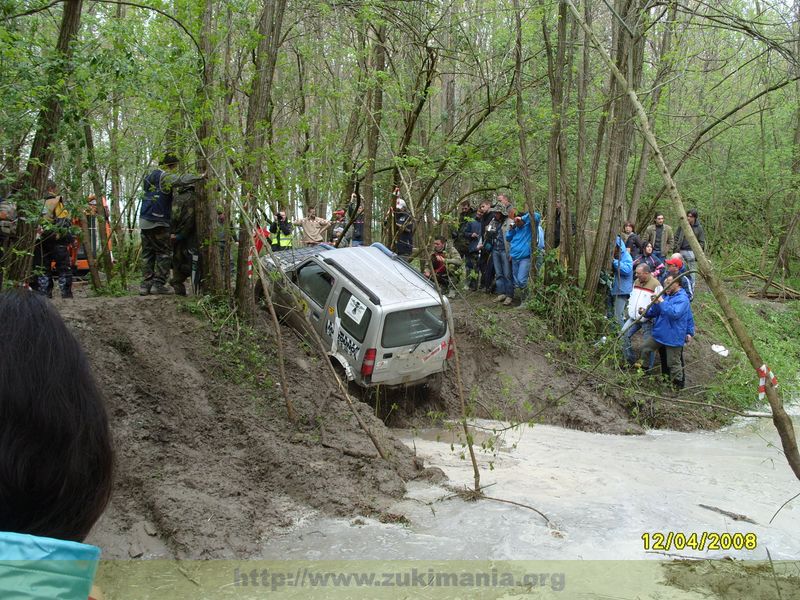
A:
x: 520, y: 268
x: 503, y: 283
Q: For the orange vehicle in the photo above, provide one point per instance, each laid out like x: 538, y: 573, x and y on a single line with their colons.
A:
x: 80, y: 264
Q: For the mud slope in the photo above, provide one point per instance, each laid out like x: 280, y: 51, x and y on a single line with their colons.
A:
x: 205, y: 467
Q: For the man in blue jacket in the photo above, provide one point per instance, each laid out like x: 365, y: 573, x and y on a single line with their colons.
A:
x: 622, y: 266
x: 519, y: 239
x: 673, y: 326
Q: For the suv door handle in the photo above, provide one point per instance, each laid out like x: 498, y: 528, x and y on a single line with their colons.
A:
x: 315, y: 315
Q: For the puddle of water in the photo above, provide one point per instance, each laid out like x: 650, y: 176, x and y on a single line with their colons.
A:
x: 602, y: 493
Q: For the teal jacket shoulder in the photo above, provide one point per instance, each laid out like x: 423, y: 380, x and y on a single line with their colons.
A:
x: 40, y: 567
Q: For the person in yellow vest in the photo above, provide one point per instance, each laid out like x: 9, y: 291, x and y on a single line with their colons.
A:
x: 55, y: 237
x: 280, y: 231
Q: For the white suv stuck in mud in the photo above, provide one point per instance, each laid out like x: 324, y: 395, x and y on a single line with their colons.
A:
x: 382, y: 321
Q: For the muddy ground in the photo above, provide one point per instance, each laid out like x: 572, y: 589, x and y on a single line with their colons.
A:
x: 205, y: 468
x: 512, y: 369
x: 209, y: 466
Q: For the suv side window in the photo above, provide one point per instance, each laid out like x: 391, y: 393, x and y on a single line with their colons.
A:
x: 315, y: 281
x: 354, y: 315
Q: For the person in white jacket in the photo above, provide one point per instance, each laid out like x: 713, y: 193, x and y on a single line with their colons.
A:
x: 645, y: 286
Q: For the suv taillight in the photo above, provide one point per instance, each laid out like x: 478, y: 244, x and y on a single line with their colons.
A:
x: 451, y: 348
x: 369, y: 362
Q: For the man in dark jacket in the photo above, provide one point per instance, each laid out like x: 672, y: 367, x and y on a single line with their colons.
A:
x: 682, y: 244
x: 465, y: 216
x: 155, y: 218
x: 404, y: 228
x: 471, y: 237
x: 485, y: 264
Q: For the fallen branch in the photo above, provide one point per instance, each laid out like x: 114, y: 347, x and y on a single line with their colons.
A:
x: 536, y: 510
x: 781, y: 507
x: 348, y: 452
x: 727, y: 513
x: 782, y: 287
x: 773, y: 295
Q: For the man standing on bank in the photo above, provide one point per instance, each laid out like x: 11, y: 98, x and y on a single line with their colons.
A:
x: 673, y: 327
x: 154, y: 221
x: 660, y: 235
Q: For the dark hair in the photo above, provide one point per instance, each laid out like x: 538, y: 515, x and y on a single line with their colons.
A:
x: 439, y: 238
x: 56, y: 457
x: 624, y: 225
x: 169, y: 160
x: 658, y: 214
x: 692, y: 213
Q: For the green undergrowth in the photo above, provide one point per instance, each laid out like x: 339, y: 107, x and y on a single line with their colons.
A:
x: 241, y: 354
x: 775, y: 329
x: 559, y: 303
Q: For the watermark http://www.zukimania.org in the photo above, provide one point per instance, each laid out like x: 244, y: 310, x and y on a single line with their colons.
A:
x: 414, y: 577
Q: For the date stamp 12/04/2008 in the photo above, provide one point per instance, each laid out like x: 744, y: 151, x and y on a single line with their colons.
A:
x: 703, y: 541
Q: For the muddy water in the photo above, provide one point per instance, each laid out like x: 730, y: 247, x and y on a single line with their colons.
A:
x: 601, y: 493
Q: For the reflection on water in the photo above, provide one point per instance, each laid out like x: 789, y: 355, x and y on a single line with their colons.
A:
x: 602, y: 493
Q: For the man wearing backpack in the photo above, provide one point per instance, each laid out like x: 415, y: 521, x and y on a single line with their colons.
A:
x: 154, y: 220
x: 55, y: 237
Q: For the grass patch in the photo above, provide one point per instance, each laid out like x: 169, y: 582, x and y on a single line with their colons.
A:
x: 775, y: 329
x: 241, y: 354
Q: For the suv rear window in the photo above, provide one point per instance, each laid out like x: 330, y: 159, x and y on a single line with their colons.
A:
x: 354, y: 314
x: 413, y: 326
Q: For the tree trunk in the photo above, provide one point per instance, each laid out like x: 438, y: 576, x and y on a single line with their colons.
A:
x: 582, y: 195
x: 629, y: 58
x: 793, y: 214
x: 665, y: 67
x: 374, y: 115
x: 556, y: 74
x: 421, y: 93
x: 113, y: 162
x: 449, y: 192
x: 269, y: 29
x: 780, y: 419
x: 29, y: 187
x: 86, y: 240
x: 204, y: 207
x: 525, y: 174
x: 101, y: 218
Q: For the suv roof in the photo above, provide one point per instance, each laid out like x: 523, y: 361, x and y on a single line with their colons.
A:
x: 374, y: 267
